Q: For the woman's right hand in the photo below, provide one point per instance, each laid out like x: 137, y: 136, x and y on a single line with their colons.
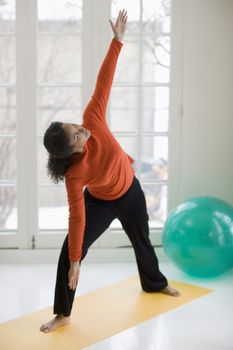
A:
x: 119, y: 27
x: 73, y: 274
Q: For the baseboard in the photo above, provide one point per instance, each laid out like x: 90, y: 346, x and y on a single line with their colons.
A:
x: 51, y: 255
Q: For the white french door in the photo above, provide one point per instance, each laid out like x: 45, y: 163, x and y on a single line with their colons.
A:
x: 53, y: 52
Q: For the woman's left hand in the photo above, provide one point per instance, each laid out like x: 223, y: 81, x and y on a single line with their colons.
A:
x: 119, y: 27
x: 73, y: 274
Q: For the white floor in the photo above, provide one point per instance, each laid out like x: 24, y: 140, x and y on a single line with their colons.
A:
x: 204, y: 324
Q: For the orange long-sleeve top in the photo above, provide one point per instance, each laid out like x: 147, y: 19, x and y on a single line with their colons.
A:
x: 103, y: 167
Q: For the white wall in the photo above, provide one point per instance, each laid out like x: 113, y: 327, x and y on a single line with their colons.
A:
x: 201, y: 125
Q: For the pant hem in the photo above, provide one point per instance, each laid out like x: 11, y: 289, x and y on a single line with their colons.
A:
x: 154, y: 290
x: 63, y: 313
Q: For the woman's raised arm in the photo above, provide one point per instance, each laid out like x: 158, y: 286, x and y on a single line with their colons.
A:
x: 98, y: 103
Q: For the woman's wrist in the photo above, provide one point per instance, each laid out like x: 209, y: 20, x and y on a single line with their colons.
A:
x: 118, y: 38
x: 72, y: 263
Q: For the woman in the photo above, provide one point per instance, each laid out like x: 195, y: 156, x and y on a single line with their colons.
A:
x: 89, y: 155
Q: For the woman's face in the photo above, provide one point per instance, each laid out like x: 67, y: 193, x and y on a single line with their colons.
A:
x: 77, y: 135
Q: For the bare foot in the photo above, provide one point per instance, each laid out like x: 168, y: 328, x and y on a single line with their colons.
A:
x: 170, y: 291
x: 56, y: 322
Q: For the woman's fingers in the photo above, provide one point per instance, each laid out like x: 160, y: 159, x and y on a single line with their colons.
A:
x: 123, y: 15
x: 125, y: 19
x: 73, y: 280
x: 112, y: 25
x: 118, y: 20
x: 73, y: 283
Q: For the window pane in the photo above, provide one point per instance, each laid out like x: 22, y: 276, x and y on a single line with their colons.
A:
x: 155, y: 120
x: 58, y: 104
x: 53, y: 209
x: 127, y: 69
x: 156, y: 200
x: 155, y: 103
x: 7, y: 109
x: 7, y: 17
x: 129, y: 145
x: 156, y: 16
x: 124, y: 109
x: 159, y: 95
x: 60, y: 16
x: 59, y: 58
x: 154, y: 154
x: 7, y: 158
x: 133, y: 9
x: 8, y: 208
x: 7, y: 63
x: 156, y: 59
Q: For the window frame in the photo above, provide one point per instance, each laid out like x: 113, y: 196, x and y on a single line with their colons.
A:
x: 97, y: 37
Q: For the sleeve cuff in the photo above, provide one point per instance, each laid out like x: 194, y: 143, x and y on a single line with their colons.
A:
x: 121, y: 42
x: 75, y: 255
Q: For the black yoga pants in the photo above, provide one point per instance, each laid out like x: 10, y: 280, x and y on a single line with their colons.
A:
x: 131, y: 210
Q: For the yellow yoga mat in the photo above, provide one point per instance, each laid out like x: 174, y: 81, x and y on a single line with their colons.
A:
x: 95, y: 316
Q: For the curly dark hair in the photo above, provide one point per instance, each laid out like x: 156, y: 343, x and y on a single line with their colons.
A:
x: 59, y: 151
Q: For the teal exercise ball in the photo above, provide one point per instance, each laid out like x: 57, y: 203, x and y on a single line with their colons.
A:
x: 198, y: 236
